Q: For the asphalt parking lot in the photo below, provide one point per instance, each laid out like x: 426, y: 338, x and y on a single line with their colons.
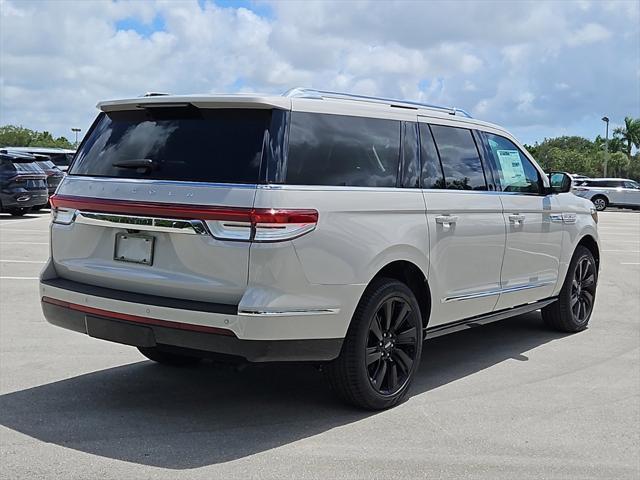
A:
x: 510, y: 400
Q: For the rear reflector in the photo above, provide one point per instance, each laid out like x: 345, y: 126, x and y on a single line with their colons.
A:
x: 226, y: 223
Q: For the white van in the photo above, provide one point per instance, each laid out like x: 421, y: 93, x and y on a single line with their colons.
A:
x: 314, y: 226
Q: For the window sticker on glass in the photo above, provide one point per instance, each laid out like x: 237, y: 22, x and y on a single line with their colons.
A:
x: 512, y: 169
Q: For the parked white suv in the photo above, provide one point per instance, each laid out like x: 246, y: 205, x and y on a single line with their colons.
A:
x: 604, y: 192
x: 313, y: 226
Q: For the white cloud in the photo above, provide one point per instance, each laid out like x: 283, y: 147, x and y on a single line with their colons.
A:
x: 509, y: 62
x: 589, y: 33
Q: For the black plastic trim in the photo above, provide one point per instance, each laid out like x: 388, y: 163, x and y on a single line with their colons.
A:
x: 144, y: 299
x: 439, y: 330
x: 139, y: 335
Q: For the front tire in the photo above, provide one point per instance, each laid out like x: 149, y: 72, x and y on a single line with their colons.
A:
x: 382, y: 349
x: 168, y: 358
x: 572, y: 311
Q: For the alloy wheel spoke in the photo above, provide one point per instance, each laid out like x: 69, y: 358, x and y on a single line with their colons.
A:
x: 588, y: 281
x: 382, y: 371
x: 373, y: 355
x: 376, y: 329
x: 404, y: 361
x: 406, y: 337
x: 400, y: 317
x: 588, y: 298
x: 393, y: 377
x: 388, y: 312
x: 574, y: 299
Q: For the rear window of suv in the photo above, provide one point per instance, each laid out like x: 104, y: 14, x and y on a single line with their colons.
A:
x: 184, y: 144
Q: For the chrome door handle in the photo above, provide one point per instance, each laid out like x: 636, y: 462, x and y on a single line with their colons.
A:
x: 446, y: 220
x: 516, y: 218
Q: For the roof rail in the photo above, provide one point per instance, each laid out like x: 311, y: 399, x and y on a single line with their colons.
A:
x: 322, y: 94
x: 155, y: 94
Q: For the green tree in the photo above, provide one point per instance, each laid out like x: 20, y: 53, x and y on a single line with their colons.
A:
x: 629, y: 133
x: 18, y: 136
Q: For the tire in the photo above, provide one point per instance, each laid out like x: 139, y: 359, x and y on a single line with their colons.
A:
x: 600, y: 202
x: 19, y: 212
x: 572, y: 311
x: 168, y: 358
x: 381, y: 351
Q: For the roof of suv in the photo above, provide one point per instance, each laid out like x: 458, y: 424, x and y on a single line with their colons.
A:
x: 339, y: 103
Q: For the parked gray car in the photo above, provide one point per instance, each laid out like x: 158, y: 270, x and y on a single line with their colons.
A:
x: 604, y: 192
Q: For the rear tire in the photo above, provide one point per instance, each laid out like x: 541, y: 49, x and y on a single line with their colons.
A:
x: 382, y: 349
x: 168, y: 358
x: 600, y: 202
x: 19, y: 212
x: 572, y: 311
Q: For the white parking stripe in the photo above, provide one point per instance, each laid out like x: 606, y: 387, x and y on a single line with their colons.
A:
x: 22, y: 261
x: 19, y: 278
x: 24, y: 243
x: 629, y: 263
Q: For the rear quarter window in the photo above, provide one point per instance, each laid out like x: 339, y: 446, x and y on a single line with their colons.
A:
x: 342, y: 150
x: 184, y: 144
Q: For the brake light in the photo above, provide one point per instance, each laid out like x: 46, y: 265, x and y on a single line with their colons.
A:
x: 224, y: 223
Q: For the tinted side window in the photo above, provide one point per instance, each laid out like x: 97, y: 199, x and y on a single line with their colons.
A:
x: 432, y: 176
x: 410, y: 160
x: 460, y: 159
x: 515, y: 171
x: 342, y: 150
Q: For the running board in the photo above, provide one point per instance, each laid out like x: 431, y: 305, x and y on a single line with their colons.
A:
x: 479, y: 320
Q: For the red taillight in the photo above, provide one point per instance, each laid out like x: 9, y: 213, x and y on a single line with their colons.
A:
x: 226, y: 223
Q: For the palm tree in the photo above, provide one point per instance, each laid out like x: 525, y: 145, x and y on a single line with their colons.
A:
x: 630, y: 133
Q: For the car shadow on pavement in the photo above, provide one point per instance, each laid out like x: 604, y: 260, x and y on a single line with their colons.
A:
x: 188, y: 418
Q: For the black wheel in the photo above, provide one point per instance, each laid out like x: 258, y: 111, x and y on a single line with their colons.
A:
x: 19, y: 212
x: 600, y: 202
x: 572, y: 311
x: 168, y: 358
x: 382, y: 349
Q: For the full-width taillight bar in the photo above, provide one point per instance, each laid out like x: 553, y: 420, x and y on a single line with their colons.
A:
x: 227, y: 223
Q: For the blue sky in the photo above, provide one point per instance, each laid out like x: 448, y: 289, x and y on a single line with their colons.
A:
x: 540, y: 68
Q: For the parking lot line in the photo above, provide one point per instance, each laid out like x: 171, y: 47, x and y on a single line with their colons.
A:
x: 629, y: 263
x: 24, y: 243
x: 19, y: 278
x: 22, y: 261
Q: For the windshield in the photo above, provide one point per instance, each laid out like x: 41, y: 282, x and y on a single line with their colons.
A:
x: 188, y: 144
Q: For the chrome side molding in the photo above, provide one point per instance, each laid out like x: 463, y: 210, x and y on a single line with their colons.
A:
x: 288, y: 313
x: 489, y: 293
x: 169, y: 225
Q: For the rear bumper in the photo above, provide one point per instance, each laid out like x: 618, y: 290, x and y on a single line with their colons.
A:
x: 147, y: 321
x: 24, y: 199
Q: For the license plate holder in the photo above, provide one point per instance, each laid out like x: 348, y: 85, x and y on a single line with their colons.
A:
x: 134, y: 248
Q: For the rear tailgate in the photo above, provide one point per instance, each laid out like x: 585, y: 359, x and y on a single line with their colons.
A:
x: 150, y: 203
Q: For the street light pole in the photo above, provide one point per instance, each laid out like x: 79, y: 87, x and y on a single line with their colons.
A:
x: 606, y: 145
x: 76, y: 131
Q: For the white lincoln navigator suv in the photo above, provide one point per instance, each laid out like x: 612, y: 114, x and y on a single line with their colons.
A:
x: 314, y: 226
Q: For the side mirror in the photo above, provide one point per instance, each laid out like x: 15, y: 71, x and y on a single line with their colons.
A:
x: 560, y: 182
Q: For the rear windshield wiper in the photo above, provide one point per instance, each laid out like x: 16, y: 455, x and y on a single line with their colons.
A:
x: 137, y: 163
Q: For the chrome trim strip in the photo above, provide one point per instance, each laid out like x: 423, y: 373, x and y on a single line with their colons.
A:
x: 288, y: 313
x: 145, y: 181
x: 169, y: 225
x: 489, y: 293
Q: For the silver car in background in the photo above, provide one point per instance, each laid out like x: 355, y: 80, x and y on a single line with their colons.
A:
x: 604, y: 192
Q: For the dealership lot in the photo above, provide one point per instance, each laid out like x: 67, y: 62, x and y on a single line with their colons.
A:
x: 508, y: 400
